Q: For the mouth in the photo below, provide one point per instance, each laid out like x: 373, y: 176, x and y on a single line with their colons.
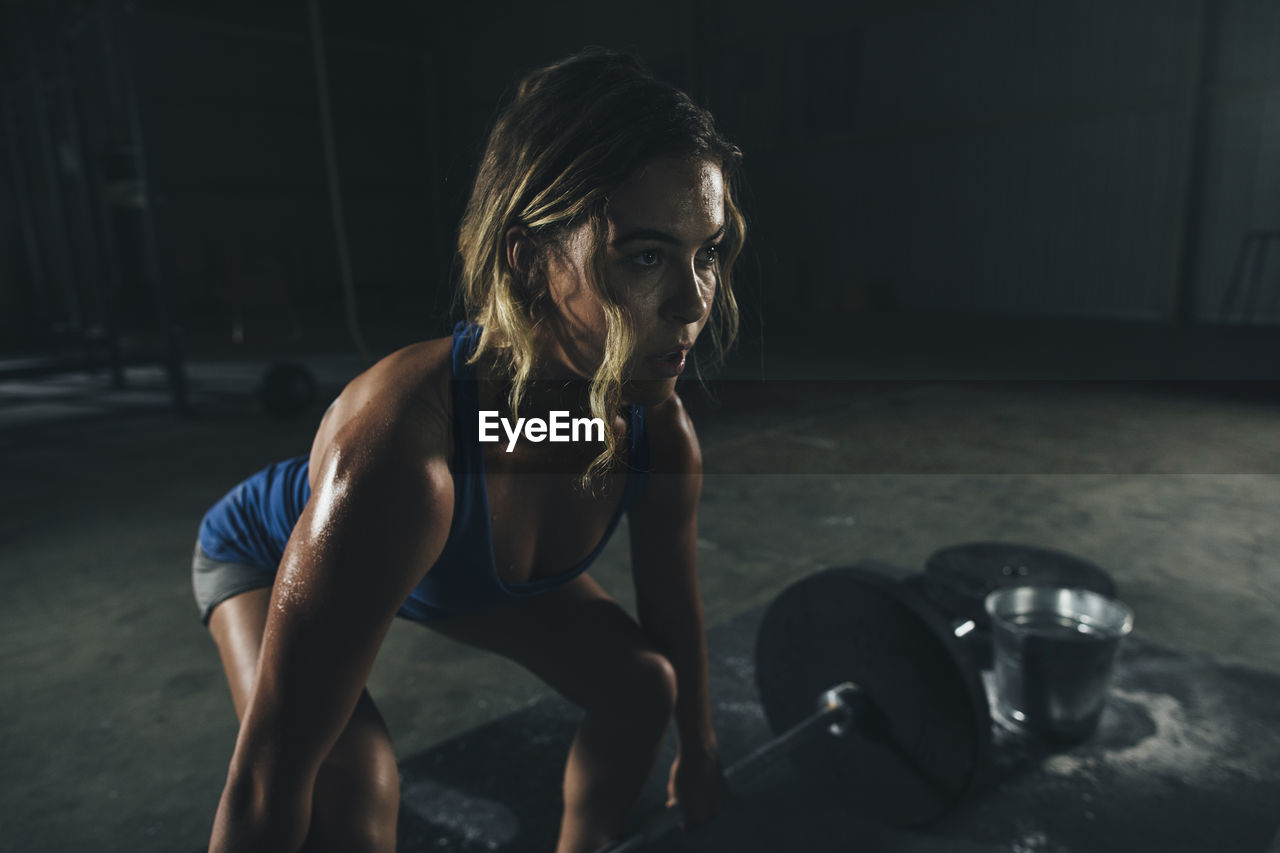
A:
x: 671, y: 362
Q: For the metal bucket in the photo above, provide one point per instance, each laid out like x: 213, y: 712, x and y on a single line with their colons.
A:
x: 1055, y: 649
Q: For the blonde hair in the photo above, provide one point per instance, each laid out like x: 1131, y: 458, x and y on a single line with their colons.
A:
x: 575, y: 131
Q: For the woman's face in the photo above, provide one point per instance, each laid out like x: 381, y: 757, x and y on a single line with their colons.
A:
x: 665, y: 224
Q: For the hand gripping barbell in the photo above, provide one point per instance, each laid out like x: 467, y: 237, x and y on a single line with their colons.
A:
x: 839, y: 709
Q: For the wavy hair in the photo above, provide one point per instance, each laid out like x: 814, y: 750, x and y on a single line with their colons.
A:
x: 573, y: 132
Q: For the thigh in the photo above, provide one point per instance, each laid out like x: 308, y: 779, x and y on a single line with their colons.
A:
x: 363, y: 749
x: 578, y: 640
x: 237, y: 625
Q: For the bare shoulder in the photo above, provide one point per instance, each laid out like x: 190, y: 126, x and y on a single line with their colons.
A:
x: 674, y: 483
x: 663, y: 522
x: 673, y: 443
x: 398, y: 411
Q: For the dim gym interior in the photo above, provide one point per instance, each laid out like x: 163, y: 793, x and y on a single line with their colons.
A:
x: 986, y: 543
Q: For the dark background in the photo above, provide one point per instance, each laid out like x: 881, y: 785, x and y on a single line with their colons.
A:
x: 164, y: 163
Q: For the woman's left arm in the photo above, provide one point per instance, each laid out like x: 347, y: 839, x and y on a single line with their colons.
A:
x: 664, y: 536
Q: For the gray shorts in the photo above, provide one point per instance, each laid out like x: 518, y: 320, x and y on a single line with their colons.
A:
x: 214, y: 581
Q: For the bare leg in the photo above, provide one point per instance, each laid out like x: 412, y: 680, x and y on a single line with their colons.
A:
x: 357, y: 790
x: 586, y: 647
x: 607, y: 767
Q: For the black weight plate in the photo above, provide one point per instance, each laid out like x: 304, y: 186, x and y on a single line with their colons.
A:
x: 852, y: 624
x: 957, y: 579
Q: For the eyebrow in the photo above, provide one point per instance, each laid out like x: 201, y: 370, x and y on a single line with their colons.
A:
x: 659, y: 236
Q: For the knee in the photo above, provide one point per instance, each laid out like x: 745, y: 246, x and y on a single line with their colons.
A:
x: 645, y: 689
x: 354, y: 807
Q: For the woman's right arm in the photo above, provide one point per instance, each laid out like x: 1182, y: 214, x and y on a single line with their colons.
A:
x: 377, y: 520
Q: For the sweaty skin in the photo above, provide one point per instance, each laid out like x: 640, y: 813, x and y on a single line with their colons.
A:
x: 380, y: 513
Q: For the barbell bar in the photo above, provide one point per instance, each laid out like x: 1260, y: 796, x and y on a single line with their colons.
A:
x: 840, y: 709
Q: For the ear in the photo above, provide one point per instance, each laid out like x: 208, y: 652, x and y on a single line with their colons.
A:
x: 520, y: 249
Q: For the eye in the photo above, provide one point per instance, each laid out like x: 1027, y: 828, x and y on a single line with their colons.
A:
x: 709, y: 256
x: 647, y: 258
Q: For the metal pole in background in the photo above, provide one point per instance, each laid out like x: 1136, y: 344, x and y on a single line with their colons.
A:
x: 170, y: 335
x: 102, y: 136
x: 441, y: 255
x: 57, y: 214
x: 26, y: 217
x: 1194, y: 177
x: 335, y: 188
x: 92, y: 252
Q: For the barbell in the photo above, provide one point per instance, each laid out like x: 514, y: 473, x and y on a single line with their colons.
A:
x: 902, y: 726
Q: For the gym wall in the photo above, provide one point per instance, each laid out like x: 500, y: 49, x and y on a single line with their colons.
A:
x: 990, y: 157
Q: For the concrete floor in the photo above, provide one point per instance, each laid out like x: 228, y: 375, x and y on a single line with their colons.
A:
x: 116, y: 723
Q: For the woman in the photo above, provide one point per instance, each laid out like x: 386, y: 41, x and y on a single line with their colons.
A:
x: 596, y: 246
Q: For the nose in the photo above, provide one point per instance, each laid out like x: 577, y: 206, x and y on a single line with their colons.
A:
x: 689, y: 298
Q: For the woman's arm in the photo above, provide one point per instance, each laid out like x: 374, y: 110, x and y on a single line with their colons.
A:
x: 376, y: 521
x: 664, y: 536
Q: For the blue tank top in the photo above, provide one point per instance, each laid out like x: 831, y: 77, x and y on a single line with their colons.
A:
x: 252, y: 523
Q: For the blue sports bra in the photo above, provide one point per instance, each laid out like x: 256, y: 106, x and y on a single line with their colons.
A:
x: 252, y: 523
